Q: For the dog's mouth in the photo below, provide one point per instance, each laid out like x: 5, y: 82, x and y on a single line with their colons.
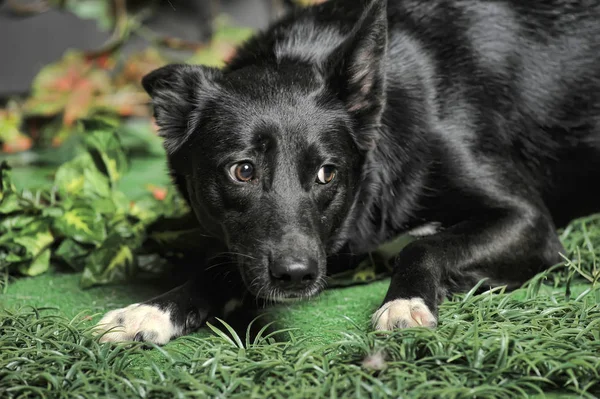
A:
x: 259, y: 284
x: 284, y: 296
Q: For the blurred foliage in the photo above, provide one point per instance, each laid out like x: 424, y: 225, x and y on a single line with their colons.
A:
x: 13, y: 140
x: 222, y: 47
x: 101, y: 84
x: 100, y: 11
x: 76, y: 88
x: 83, y: 221
x: 307, y: 3
x: 104, y: 83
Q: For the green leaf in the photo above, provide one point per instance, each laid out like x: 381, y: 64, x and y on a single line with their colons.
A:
x: 113, y: 262
x: 39, y: 265
x: 11, y: 137
x: 17, y: 222
x: 114, y: 206
x: 100, y: 11
x: 95, y: 183
x: 73, y: 254
x: 44, y: 107
x: 10, y: 203
x: 223, y: 44
x: 105, y: 206
x: 138, y: 137
x: 6, y: 185
x: 84, y: 225
x: 121, y: 202
x: 34, y: 240
x: 53, y: 212
x: 70, y: 179
x: 81, y: 178
x: 144, y: 210
x: 12, y: 252
x: 102, y: 142
x: 100, y: 230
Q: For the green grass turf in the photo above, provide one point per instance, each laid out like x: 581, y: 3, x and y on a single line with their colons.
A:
x: 493, y: 345
x: 543, y: 340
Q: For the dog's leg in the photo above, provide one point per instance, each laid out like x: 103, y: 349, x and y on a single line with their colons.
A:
x: 161, y: 319
x: 507, y: 246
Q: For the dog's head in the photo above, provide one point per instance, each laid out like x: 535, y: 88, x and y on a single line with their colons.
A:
x: 271, y: 155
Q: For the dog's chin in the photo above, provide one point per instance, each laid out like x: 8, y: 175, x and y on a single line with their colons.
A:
x: 284, y: 296
x: 266, y: 291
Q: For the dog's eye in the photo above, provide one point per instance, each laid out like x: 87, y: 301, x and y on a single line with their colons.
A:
x: 326, y: 174
x: 242, y: 172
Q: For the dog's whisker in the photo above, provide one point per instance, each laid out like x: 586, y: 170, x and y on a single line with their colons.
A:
x: 229, y: 254
x: 258, y: 294
x: 239, y: 254
x: 219, y: 264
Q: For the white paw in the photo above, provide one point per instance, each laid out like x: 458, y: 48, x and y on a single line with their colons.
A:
x: 137, y: 322
x: 403, y: 313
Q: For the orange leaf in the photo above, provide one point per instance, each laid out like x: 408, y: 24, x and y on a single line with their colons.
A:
x: 21, y: 143
x: 127, y: 101
x: 104, y: 61
x: 57, y: 141
x: 79, y: 103
x: 159, y: 193
x: 11, y: 137
x: 70, y: 86
x: 138, y: 65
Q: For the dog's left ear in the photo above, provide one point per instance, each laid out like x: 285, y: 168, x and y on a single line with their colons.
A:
x: 177, y: 90
x: 356, y: 71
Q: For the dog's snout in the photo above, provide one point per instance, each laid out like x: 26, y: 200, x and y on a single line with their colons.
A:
x: 289, y: 273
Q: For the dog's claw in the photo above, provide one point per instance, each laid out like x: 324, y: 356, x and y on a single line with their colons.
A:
x: 403, y: 313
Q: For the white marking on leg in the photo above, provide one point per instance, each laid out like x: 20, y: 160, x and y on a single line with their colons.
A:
x: 403, y: 313
x: 138, y: 322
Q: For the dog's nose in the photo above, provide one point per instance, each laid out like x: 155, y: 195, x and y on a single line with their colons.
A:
x: 290, y: 273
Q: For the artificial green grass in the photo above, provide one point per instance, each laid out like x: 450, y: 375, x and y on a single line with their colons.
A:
x: 493, y: 345
x: 543, y: 339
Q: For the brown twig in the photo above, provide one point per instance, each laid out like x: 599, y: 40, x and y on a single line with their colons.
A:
x: 119, y: 34
x: 24, y: 10
x: 169, y: 41
x: 179, y: 44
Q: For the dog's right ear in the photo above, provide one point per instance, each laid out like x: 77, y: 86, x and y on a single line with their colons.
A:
x: 355, y: 71
x: 176, y: 91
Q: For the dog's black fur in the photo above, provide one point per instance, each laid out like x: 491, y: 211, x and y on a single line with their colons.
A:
x: 481, y: 116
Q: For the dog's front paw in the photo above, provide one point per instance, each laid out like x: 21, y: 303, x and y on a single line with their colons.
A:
x: 138, y: 322
x: 403, y: 313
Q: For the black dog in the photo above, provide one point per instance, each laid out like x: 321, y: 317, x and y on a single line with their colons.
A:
x: 475, y: 124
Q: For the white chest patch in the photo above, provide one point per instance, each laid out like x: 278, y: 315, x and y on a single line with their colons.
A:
x: 138, y: 322
x: 425, y: 230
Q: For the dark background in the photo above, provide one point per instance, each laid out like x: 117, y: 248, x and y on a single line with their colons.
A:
x: 27, y: 43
